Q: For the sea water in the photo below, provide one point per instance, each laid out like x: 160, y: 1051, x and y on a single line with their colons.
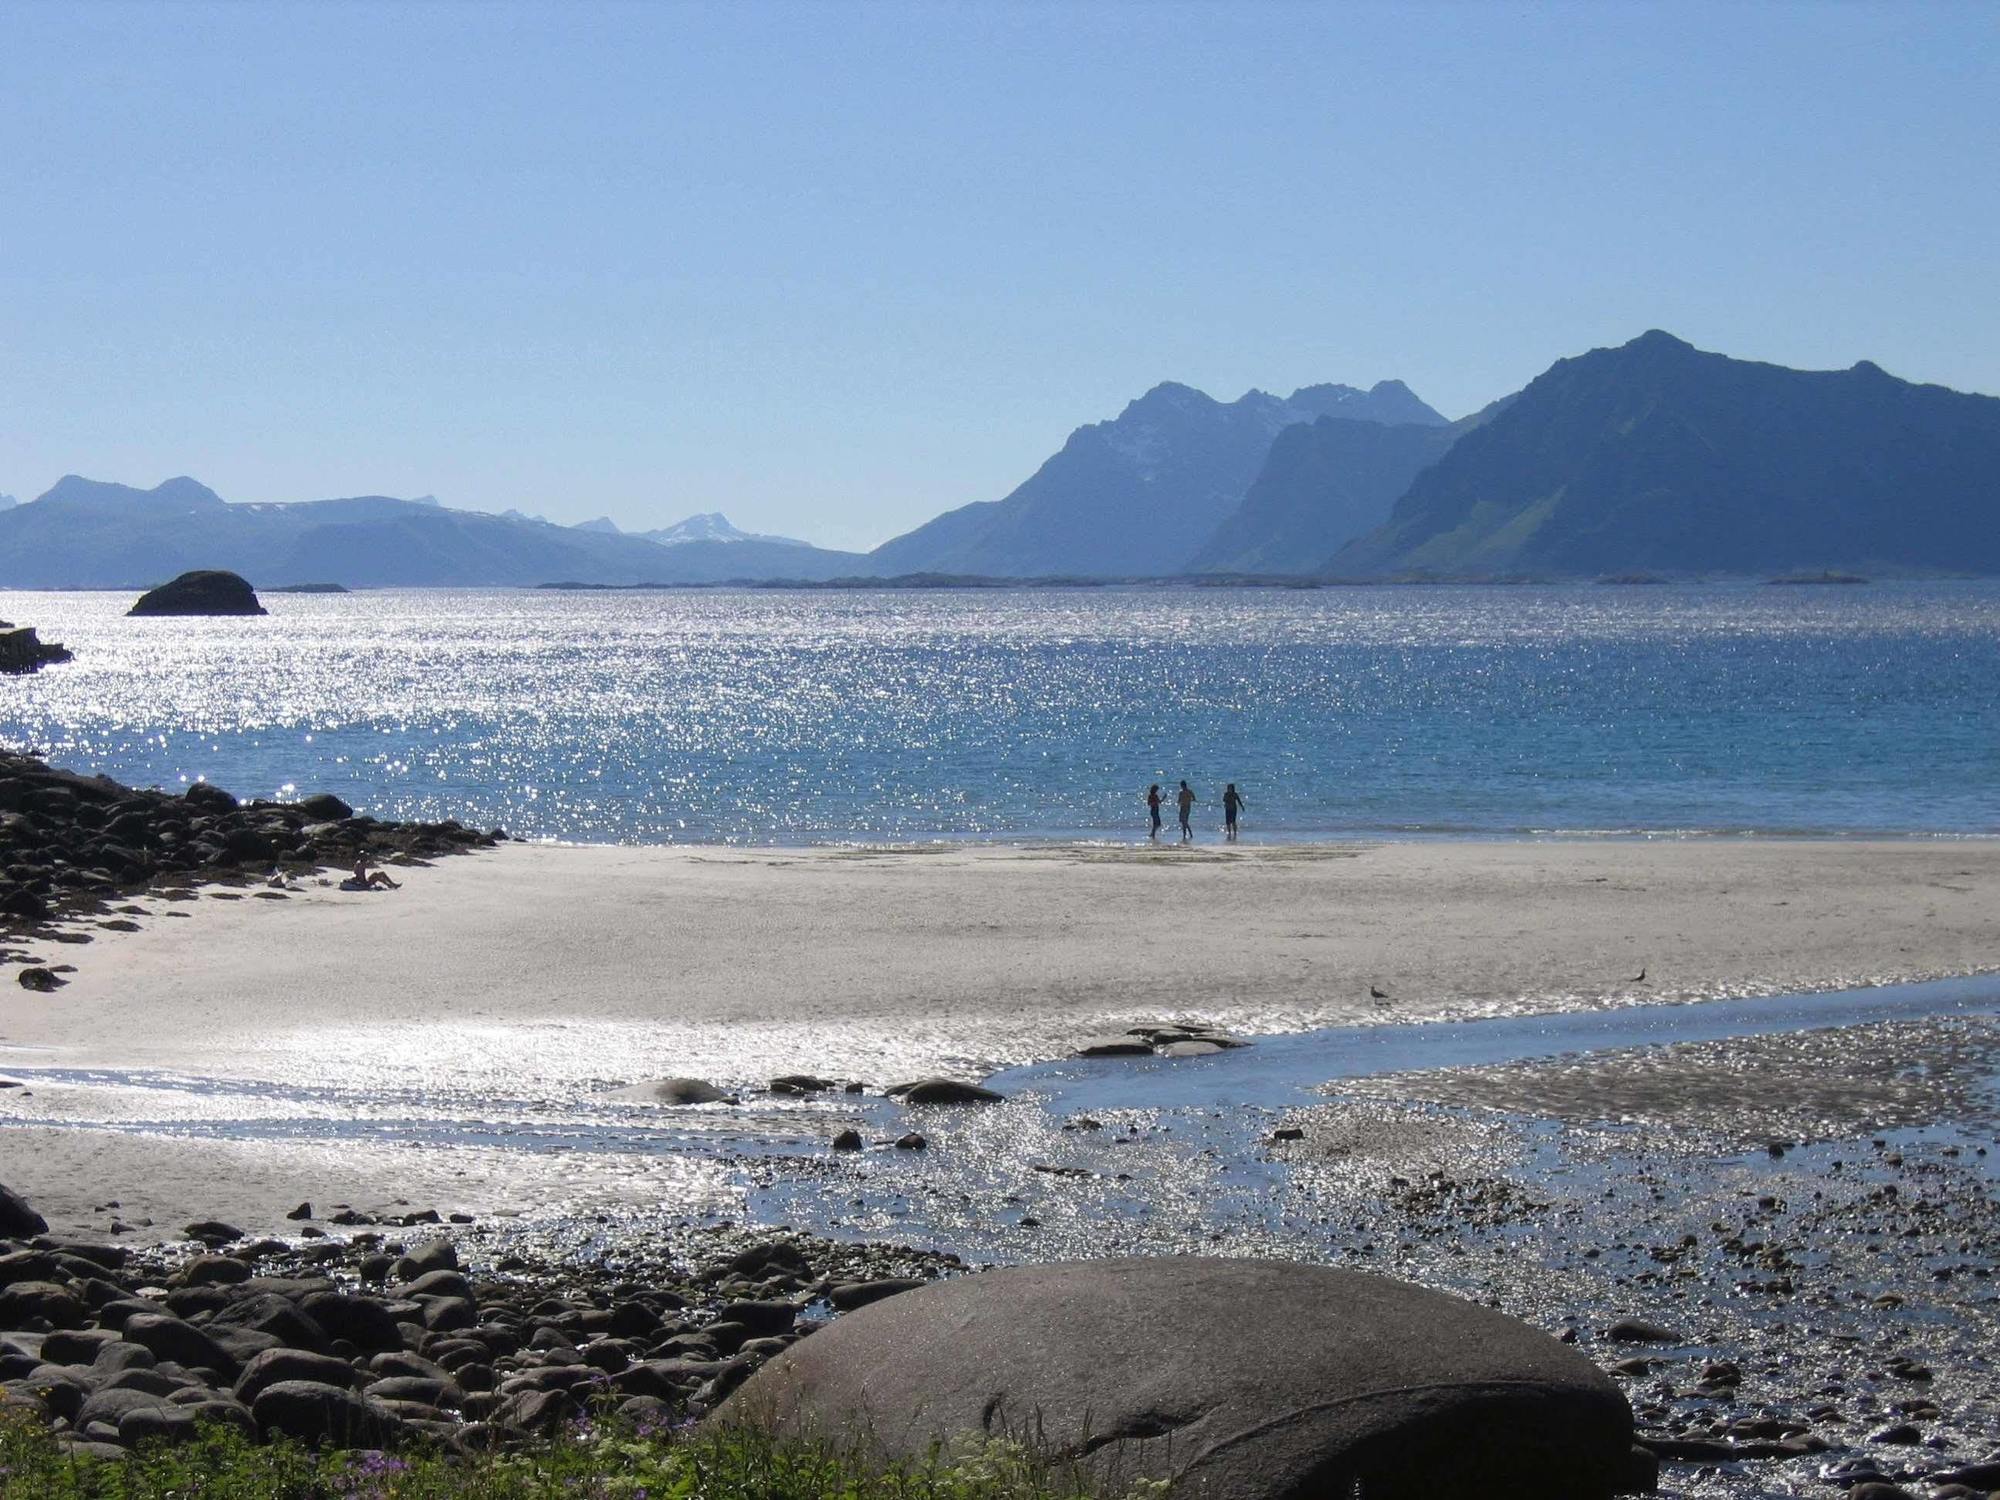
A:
x: 798, y: 717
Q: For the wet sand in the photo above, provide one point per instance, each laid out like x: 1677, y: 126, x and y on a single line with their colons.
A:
x: 1806, y: 1218
x: 553, y: 973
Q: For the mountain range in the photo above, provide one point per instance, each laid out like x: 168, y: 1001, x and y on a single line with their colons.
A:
x: 1651, y: 457
x: 711, y: 526
x: 86, y: 533
x: 1142, y: 494
x: 1322, y: 485
x: 1656, y: 456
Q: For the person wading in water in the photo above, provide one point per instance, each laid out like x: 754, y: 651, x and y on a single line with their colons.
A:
x: 1153, y: 807
x: 1186, y: 800
x: 1232, y: 804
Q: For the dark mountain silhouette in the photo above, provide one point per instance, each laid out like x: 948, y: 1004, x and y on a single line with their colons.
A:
x: 88, y: 534
x: 1323, y: 484
x: 1658, y: 457
x: 1138, y: 495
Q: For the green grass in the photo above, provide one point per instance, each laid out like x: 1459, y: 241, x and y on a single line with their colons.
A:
x: 585, y: 1463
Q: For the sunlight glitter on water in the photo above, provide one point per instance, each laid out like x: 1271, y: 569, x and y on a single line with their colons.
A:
x: 766, y: 716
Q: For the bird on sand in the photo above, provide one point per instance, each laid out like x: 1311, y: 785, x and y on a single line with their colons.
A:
x: 1379, y: 996
x: 1638, y: 978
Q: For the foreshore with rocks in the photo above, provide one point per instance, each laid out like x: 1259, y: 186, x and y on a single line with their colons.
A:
x: 398, y: 1333
x: 563, y: 984
x: 71, y: 845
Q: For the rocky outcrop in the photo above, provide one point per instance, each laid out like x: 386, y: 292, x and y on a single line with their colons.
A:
x: 1228, y: 1379
x: 21, y: 650
x: 206, y: 591
x: 69, y: 843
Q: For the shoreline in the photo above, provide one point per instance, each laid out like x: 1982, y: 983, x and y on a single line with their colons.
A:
x: 557, y: 973
x: 1213, y: 841
x: 254, y: 1054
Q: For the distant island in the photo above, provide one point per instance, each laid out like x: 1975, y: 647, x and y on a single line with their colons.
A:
x: 893, y: 581
x: 1650, y: 461
x: 204, y: 591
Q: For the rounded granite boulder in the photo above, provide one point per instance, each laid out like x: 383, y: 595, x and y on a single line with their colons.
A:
x: 206, y: 591
x: 1229, y: 1379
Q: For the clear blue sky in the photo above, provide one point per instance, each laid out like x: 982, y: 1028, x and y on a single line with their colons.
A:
x: 832, y: 268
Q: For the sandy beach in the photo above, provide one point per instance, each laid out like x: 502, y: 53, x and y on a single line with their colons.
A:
x: 556, y: 973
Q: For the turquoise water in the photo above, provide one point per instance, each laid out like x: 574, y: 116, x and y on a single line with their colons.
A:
x: 788, y: 717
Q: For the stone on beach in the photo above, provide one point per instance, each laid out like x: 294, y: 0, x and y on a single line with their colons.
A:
x: 1232, y: 1379
x: 312, y: 1412
x: 802, y: 1083
x: 1116, y: 1046
x: 674, y: 1091
x: 213, y: 1232
x: 17, y: 1219
x: 1162, y: 1039
x: 944, y: 1091
x: 1641, y: 1331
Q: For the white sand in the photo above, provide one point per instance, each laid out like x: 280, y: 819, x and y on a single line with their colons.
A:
x: 554, y: 972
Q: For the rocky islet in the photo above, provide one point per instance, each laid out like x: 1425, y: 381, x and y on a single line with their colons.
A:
x: 23, y: 650
x: 204, y: 591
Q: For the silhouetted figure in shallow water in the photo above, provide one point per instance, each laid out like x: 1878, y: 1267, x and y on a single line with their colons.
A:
x: 1153, y: 807
x: 1232, y: 804
x: 1186, y: 801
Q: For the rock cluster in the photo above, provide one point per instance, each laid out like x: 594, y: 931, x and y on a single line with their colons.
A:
x: 1162, y: 1039
x: 21, y: 650
x: 375, y: 1342
x: 69, y: 841
x: 205, y: 591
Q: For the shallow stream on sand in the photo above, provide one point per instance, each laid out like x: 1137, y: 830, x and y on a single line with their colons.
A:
x: 1803, y: 1187
x: 1177, y: 1155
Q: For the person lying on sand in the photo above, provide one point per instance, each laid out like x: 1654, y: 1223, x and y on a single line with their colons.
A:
x: 361, y: 880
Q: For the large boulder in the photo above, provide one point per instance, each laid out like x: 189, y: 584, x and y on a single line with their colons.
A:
x: 206, y: 591
x: 364, y: 1323
x: 1230, y: 1379
x: 180, y: 1341
x: 276, y: 1366
x: 311, y: 1412
x: 40, y: 1304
